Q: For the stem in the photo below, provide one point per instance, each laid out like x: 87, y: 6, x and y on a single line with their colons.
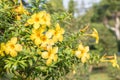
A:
x: 118, y: 44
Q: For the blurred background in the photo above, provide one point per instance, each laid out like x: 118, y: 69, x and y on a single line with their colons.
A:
x: 104, y: 15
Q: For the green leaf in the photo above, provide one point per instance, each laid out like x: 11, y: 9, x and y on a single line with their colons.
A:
x: 23, y: 63
x: 8, y: 66
x: 22, y: 66
x: 30, y: 62
x: 35, y: 58
x: 14, y: 66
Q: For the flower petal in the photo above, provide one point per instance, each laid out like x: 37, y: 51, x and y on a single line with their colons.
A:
x: 49, y: 61
x: 54, y: 50
x: 45, y: 55
x: 78, y: 54
x: 18, y: 47
x: 36, y: 25
x: 13, y: 53
x: 13, y: 40
x: 49, y: 33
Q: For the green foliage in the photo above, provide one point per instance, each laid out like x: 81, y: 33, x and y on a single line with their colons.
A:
x: 55, y: 6
x: 107, y: 43
x: 106, y: 8
x: 114, y: 73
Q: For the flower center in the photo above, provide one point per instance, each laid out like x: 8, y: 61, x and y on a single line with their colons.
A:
x: 44, y: 18
x: 12, y: 46
x: 56, y: 32
x: 36, y: 19
x: 44, y: 38
x: 38, y: 34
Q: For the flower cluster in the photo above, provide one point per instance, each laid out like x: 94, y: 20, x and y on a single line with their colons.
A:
x: 45, y: 36
x: 11, y: 47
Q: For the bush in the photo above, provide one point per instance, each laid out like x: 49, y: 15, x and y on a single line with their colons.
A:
x: 34, y: 45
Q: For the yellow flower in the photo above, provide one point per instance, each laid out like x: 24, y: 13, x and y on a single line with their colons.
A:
x: 36, y: 35
x: 84, y: 29
x: 114, y: 61
x: 35, y: 20
x: 50, y: 33
x: 2, y: 49
x: 111, y: 59
x: 44, y: 40
x: 47, y: 45
x: 49, y: 61
x: 45, y: 20
x: 58, y: 33
x: 12, y: 48
x: 82, y: 53
x: 95, y: 35
x: 41, y: 18
x: 20, y: 9
x: 18, y: 17
x: 50, y: 55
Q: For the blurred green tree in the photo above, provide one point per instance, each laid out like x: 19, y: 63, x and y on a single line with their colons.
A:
x: 55, y: 5
x: 71, y: 7
x: 108, y: 11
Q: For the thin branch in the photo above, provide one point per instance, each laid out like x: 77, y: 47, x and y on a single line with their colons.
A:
x: 105, y: 22
x: 117, y: 24
x: 109, y: 27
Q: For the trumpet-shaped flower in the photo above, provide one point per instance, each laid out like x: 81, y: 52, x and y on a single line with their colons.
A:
x: 82, y: 53
x: 114, y: 61
x: 50, y: 55
x: 2, y: 49
x: 36, y: 35
x: 95, y: 35
x: 111, y: 59
x: 58, y: 33
x: 12, y: 48
x: 84, y: 29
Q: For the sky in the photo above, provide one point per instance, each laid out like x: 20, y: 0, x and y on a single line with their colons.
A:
x: 79, y: 3
x: 87, y: 4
